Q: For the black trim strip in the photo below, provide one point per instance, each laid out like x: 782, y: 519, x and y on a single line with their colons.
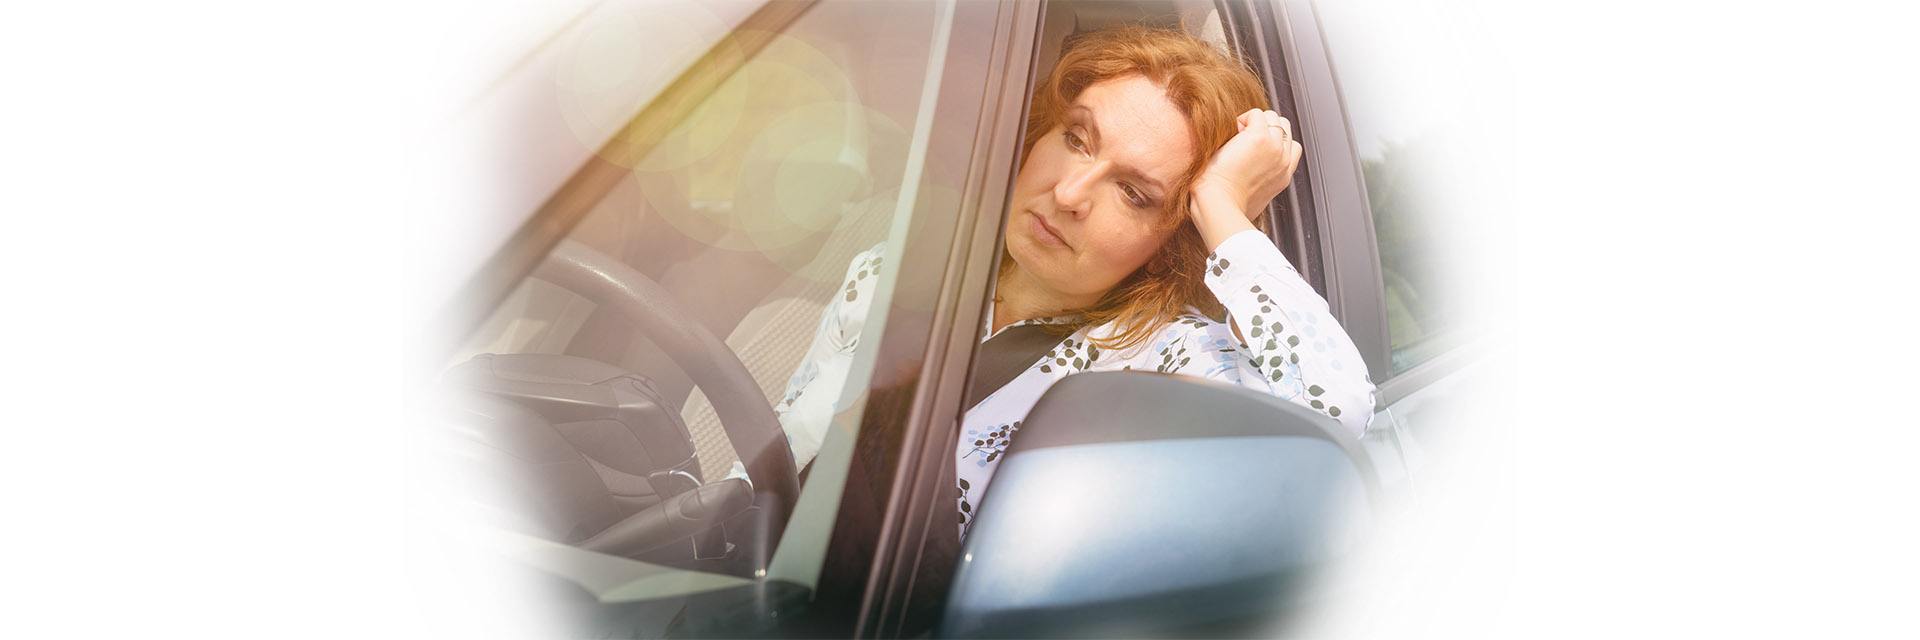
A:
x: 911, y: 384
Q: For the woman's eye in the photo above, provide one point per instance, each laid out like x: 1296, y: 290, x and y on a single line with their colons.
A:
x: 1074, y: 142
x: 1133, y: 195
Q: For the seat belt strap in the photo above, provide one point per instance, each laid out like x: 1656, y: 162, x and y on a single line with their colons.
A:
x: 1005, y: 356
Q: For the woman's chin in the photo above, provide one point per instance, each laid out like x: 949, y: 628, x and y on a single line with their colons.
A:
x: 1039, y: 261
x: 1026, y: 250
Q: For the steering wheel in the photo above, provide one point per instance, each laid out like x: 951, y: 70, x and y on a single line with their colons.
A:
x: 744, y: 413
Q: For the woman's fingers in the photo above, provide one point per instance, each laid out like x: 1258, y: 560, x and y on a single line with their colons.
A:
x: 1282, y: 135
x: 1290, y: 148
x: 1247, y: 119
x: 1267, y: 123
x: 1286, y: 128
x: 1279, y: 166
x: 1257, y: 163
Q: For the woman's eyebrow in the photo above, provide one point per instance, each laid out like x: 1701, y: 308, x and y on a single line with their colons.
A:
x: 1093, y: 135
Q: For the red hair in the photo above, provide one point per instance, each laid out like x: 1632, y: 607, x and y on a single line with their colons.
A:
x: 1212, y: 89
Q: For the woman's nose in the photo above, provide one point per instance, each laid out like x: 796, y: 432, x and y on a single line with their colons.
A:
x: 1075, y: 190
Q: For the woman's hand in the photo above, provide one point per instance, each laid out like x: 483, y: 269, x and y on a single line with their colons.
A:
x: 1253, y: 167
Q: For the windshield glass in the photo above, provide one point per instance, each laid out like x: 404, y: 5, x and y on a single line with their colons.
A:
x: 762, y: 218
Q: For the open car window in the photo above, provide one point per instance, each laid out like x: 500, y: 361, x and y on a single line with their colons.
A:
x: 764, y: 218
x: 1399, y: 80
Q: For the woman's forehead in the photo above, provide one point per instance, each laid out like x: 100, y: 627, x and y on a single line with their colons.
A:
x: 1131, y: 118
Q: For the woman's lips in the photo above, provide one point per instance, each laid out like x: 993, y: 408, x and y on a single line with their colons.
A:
x: 1045, y: 234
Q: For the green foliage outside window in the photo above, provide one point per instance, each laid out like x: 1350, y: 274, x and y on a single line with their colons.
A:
x: 1406, y: 213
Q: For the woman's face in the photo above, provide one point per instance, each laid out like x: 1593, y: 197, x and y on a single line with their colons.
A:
x: 1088, y: 204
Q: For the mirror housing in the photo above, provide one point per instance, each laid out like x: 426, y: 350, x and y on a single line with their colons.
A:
x: 1136, y: 502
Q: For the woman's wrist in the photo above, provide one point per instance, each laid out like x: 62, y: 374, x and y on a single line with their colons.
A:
x: 1218, y: 215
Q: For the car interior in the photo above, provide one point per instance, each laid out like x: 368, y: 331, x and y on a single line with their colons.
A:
x: 742, y: 220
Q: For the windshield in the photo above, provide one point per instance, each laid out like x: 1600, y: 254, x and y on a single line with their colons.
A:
x: 610, y: 437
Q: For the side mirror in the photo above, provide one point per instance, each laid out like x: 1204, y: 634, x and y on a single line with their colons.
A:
x: 1136, y: 502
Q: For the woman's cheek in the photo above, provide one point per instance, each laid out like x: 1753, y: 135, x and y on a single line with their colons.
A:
x: 1141, y: 243
x: 1119, y: 254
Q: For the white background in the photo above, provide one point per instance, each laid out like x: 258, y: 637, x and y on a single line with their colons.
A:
x: 1709, y: 208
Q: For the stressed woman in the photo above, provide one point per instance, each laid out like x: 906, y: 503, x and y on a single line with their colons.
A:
x: 1131, y: 241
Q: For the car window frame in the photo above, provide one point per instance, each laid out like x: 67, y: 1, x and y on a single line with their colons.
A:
x: 906, y: 586
x: 927, y: 348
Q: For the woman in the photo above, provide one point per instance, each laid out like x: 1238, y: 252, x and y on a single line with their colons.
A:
x: 1131, y: 234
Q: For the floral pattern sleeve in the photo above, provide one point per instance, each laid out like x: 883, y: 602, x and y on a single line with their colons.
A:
x: 807, y: 406
x: 1287, y: 341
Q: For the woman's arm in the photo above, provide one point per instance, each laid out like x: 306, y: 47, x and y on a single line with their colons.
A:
x: 1284, y: 333
x: 1246, y: 173
x: 1282, y: 327
x: 807, y: 406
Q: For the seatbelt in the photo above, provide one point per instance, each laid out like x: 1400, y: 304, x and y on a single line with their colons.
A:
x: 1005, y: 356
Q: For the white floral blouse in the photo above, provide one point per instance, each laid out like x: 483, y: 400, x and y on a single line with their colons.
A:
x: 1294, y: 349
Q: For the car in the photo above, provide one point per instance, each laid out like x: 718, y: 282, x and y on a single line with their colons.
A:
x: 615, y: 355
